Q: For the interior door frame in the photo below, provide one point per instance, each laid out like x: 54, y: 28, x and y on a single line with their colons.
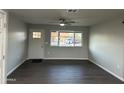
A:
x: 4, y: 65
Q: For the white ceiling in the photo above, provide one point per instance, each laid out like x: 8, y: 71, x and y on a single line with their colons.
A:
x: 84, y: 17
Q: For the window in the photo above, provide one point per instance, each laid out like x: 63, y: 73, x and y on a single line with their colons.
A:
x: 66, y: 39
x: 78, y: 39
x: 54, y: 38
x: 36, y: 34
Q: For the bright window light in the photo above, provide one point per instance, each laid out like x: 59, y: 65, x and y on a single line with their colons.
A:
x: 66, y: 39
x: 36, y: 34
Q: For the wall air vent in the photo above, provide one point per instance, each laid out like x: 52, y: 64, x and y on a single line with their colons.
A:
x: 72, y: 10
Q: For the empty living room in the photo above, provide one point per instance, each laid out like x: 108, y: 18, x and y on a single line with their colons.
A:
x: 62, y: 46
x: 67, y: 46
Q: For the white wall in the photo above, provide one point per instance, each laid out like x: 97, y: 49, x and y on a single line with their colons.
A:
x: 106, y: 46
x: 64, y: 52
x: 17, y: 42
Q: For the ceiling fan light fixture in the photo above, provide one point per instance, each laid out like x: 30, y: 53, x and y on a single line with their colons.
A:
x: 62, y: 24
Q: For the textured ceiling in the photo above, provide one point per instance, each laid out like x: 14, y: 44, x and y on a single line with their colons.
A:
x: 84, y: 17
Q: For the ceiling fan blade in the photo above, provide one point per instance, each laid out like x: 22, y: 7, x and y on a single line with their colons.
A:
x: 62, y: 20
x: 53, y: 22
x: 70, y: 22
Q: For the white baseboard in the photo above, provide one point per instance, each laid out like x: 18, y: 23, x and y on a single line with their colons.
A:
x: 67, y: 58
x: 15, y: 68
x: 61, y: 58
x: 120, y: 78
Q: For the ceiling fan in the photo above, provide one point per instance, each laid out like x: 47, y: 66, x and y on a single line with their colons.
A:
x: 63, y: 22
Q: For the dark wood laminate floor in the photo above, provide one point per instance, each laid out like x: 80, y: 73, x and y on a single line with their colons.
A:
x: 61, y: 72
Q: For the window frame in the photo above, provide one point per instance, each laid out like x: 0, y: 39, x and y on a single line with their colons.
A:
x: 67, y: 31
